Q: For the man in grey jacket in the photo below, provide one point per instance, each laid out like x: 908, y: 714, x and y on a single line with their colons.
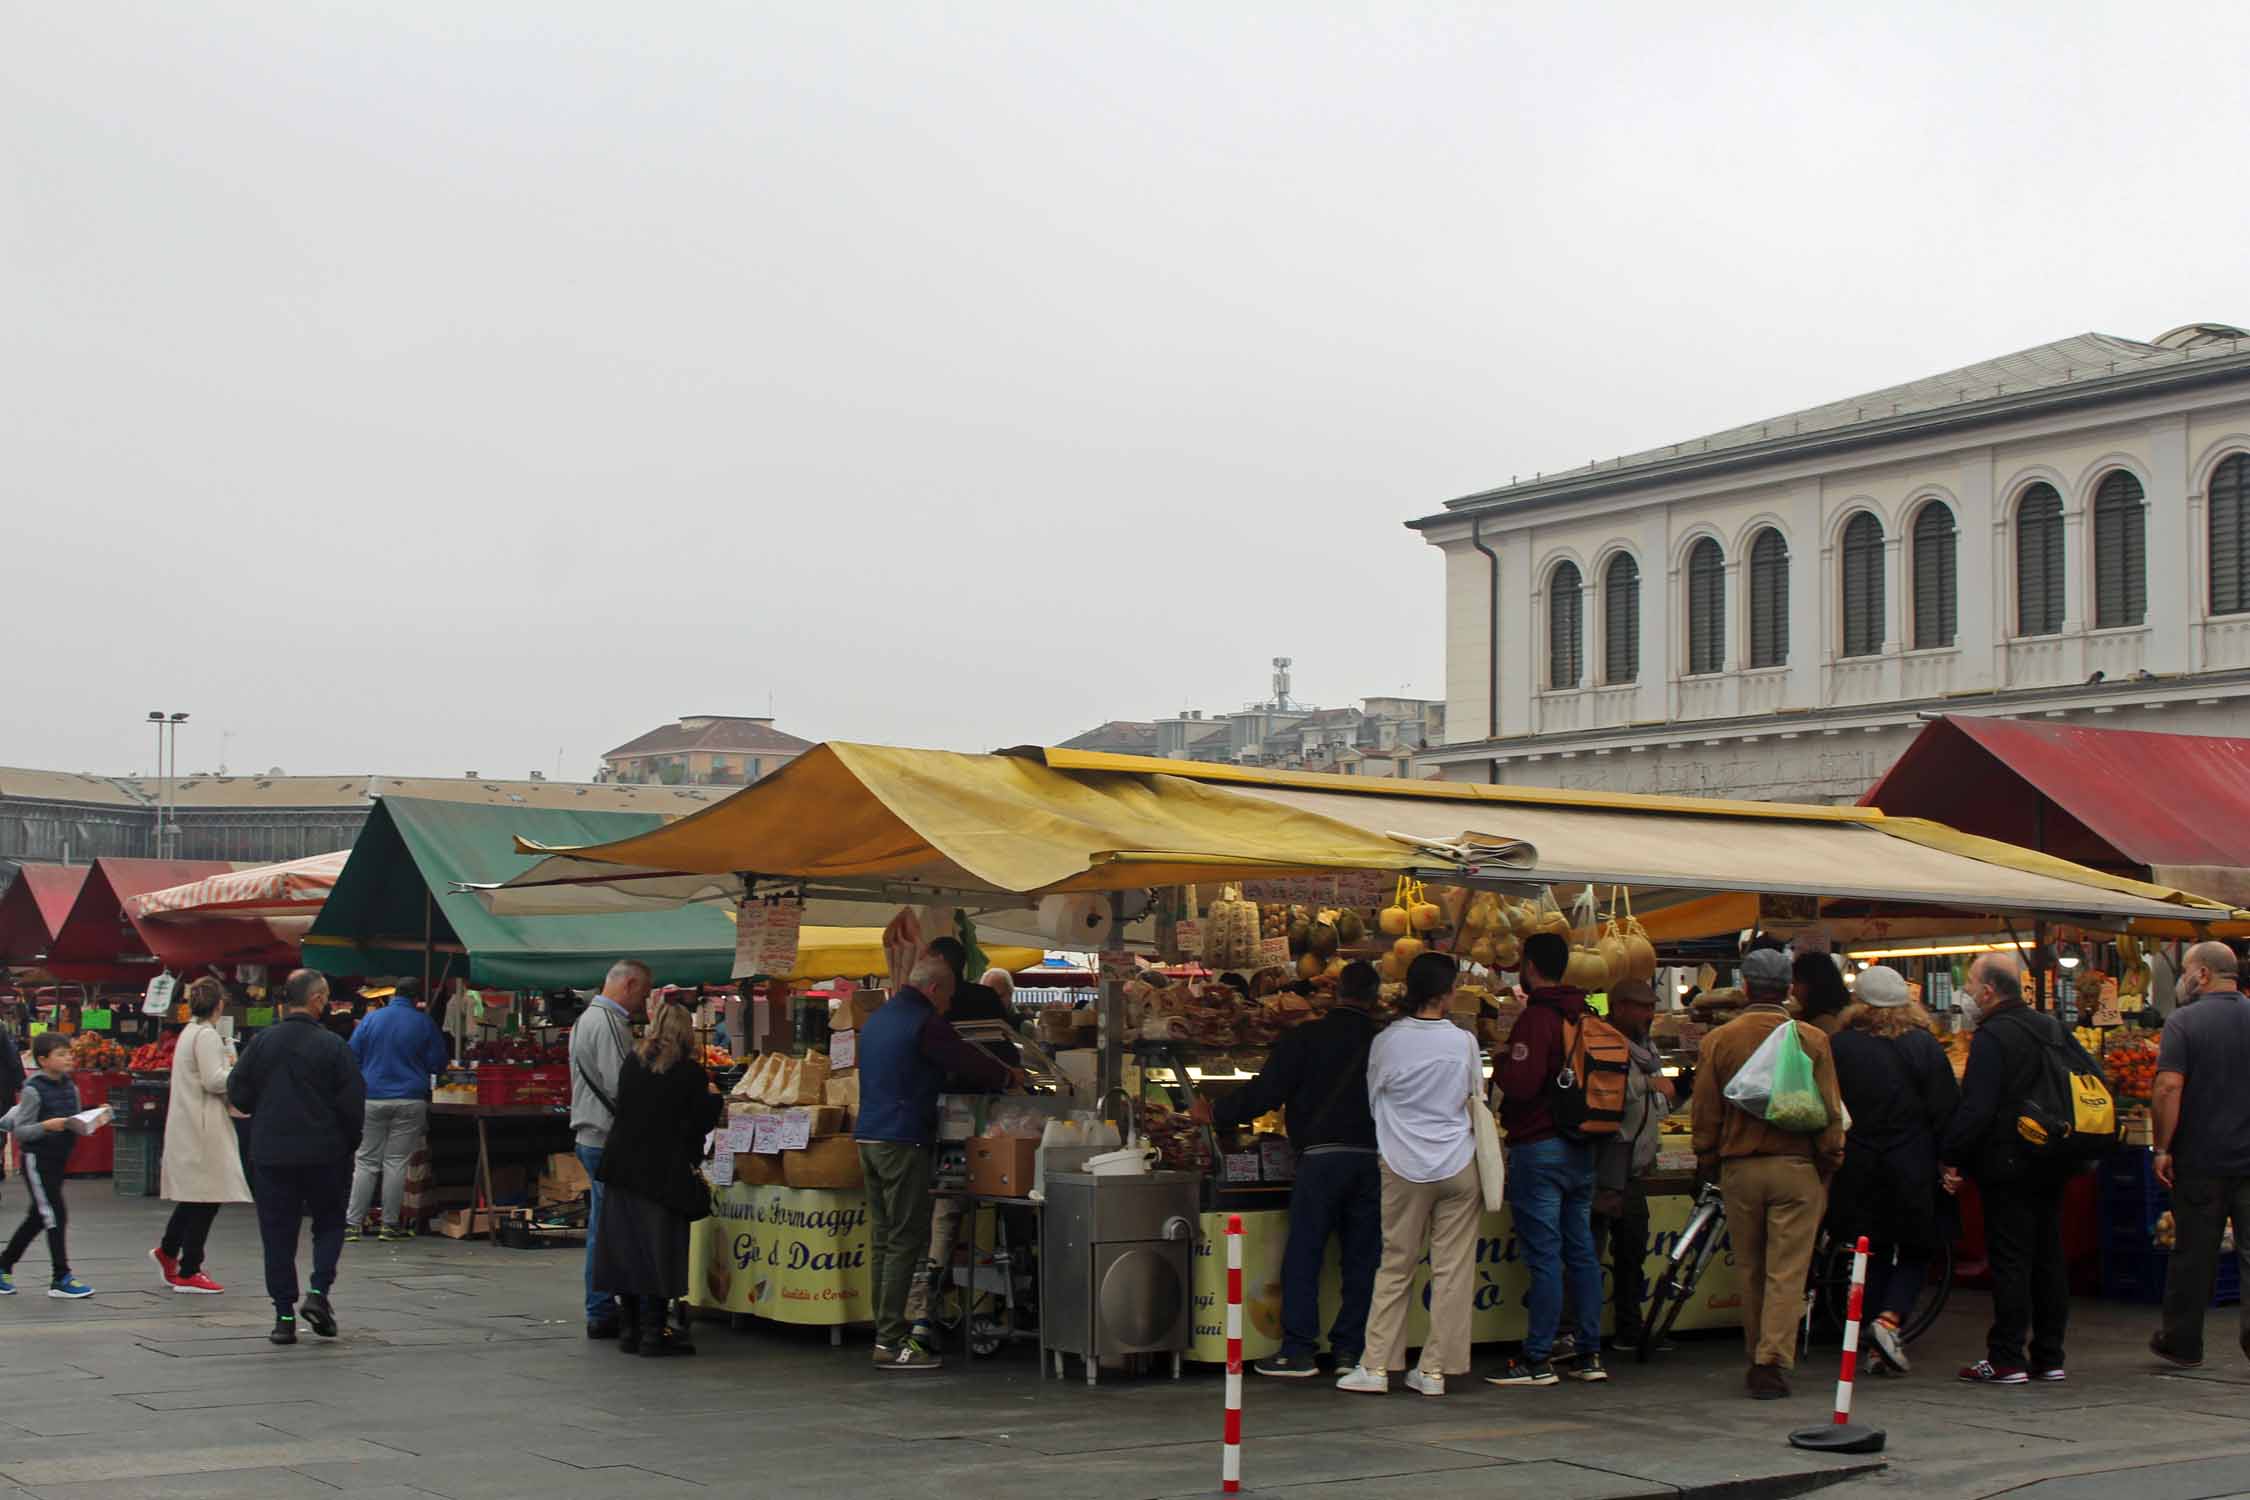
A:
x: 598, y: 1044
x: 1620, y: 1195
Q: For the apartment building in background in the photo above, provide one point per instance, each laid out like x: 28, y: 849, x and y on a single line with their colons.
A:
x: 1766, y: 612
x: 703, y: 750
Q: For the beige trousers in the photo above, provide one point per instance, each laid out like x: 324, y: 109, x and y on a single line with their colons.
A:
x: 945, y: 1232
x: 1774, y: 1204
x: 1446, y: 1213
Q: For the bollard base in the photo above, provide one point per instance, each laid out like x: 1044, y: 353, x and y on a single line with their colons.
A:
x: 1830, y: 1437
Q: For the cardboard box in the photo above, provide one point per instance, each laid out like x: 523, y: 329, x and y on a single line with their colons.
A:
x: 856, y: 1012
x: 563, y: 1178
x: 829, y: 1163
x: 461, y: 1223
x: 1001, y: 1166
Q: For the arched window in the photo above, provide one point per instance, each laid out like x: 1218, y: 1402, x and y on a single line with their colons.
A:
x: 1769, y: 600
x: 1706, y: 607
x: 1863, y: 586
x: 1936, y: 588
x: 1566, y: 627
x: 1621, y: 620
x: 2120, y: 552
x: 2039, y: 561
x: 2230, y: 536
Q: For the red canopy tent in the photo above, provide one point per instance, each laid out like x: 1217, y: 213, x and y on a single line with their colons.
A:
x: 254, y: 915
x: 32, y: 910
x: 99, y: 941
x: 2169, y: 808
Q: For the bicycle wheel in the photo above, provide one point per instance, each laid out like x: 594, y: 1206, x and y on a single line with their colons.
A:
x: 1935, y: 1289
x: 1831, y: 1288
x: 1682, y: 1270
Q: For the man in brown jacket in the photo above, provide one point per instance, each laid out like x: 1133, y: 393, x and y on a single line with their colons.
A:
x: 1775, y: 1181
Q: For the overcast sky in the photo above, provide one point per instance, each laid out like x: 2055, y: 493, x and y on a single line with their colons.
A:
x: 420, y: 387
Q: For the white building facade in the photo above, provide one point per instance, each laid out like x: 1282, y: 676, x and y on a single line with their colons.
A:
x: 1767, y: 612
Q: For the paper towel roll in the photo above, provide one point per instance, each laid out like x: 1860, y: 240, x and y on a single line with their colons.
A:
x: 1075, y: 921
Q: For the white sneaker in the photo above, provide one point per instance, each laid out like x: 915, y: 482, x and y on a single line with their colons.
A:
x: 1428, y: 1385
x: 1889, y: 1346
x: 1365, y: 1381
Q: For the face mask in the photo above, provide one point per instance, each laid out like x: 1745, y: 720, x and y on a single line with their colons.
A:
x: 1965, y: 1011
x: 2187, y: 990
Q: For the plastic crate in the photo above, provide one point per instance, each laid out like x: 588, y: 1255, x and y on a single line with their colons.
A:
x: 2138, y: 1276
x: 139, y: 1164
x: 146, y: 1100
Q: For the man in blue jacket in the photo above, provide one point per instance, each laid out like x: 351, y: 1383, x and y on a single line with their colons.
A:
x: 906, y: 1052
x: 398, y: 1048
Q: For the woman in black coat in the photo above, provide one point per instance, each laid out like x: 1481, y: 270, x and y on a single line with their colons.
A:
x: 665, y: 1107
x: 1898, y: 1085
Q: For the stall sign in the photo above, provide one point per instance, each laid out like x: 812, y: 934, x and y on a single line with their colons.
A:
x: 843, y: 1050
x: 795, y: 1132
x: 159, y: 997
x: 1273, y: 953
x: 765, y: 938
x: 765, y: 1139
x: 795, y: 1255
x: 249, y: 974
x: 96, y: 1020
x: 1187, y: 938
x: 741, y: 1132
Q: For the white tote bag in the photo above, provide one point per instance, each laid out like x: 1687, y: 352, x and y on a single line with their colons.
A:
x: 1492, y: 1163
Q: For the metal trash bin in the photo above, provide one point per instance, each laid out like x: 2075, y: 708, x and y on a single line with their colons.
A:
x: 1117, y: 1271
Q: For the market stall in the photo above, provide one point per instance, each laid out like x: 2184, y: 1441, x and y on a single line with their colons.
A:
x: 1000, y: 834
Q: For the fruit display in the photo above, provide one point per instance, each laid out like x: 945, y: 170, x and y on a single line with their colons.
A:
x: 1231, y: 932
x: 717, y: 1058
x: 2129, y: 1064
x: 154, y: 1057
x: 97, y: 1054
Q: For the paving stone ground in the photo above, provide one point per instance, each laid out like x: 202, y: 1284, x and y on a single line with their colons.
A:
x: 462, y: 1372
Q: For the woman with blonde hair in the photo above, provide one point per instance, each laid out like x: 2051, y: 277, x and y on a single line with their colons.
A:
x: 202, y: 1155
x: 1898, y: 1085
x: 652, y: 1191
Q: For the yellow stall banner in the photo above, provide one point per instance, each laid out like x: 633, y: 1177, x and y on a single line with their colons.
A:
x: 1503, y: 1282
x: 794, y: 1255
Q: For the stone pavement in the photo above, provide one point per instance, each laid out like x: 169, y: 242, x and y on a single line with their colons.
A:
x: 462, y: 1372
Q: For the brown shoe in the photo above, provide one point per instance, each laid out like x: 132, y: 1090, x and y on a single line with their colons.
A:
x: 1767, y: 1383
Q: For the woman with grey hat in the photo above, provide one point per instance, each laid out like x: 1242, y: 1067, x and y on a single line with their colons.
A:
x: 1898, y: 1084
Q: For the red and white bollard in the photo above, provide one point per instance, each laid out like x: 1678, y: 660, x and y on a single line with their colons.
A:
x: 1840, y: 1435
x: 1230, y: 1449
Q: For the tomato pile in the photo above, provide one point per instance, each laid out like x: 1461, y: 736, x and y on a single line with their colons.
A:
x: 154, y: 1057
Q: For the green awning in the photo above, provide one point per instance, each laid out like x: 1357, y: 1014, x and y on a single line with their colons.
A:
x: 399, y: 885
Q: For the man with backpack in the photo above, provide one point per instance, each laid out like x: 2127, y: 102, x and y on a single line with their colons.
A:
x: 2007, y: 1088
x: 2202, y: 1121
x: 1775, y: 1179
x: 1562, y: 1088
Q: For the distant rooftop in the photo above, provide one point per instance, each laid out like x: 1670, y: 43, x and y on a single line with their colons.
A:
x: 725, y: 733
x: 2086, y: 360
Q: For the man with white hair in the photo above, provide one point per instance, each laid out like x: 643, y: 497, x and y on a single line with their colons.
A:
x: 2202, y: 1121
x: 598, y: 1044
x: 907, y: 1050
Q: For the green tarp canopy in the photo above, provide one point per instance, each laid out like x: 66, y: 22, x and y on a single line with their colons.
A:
x: 414, y: 850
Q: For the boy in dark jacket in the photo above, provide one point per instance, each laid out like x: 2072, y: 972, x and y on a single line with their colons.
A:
x: 1318, y: 1073
x: 41, y: 1123
x: 301, y: 1088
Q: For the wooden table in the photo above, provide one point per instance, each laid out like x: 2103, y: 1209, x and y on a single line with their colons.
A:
x: 484, y: 1115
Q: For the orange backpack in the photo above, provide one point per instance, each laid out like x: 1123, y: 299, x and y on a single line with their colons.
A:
x: 1589, y: 1099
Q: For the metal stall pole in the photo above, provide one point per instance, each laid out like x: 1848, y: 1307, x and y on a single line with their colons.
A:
x: 1112, y: 1015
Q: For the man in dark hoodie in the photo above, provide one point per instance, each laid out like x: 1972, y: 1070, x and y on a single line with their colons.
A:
x: 1550, y: 1176
x: 301, y: 1088
x: 1318, y: 1073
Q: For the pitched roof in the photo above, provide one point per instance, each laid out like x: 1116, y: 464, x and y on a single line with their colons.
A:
x: 1117, y: 734
x: 345, y: 790
x: 713, y: 732
x: 2082, y: 360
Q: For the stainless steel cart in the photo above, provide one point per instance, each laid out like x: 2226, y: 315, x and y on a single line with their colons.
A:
x: 1117, y: 1273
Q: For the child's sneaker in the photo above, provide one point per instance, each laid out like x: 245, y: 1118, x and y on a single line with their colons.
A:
x: 70, y: 1287
x: 7, y: 1285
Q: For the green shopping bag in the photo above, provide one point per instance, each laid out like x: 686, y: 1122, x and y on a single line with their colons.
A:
x: 1795, y: 1103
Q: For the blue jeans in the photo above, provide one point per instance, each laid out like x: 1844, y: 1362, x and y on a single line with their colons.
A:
x: 600, y: 1306
x: 1551, y: 1191
x: 1337, y: 1193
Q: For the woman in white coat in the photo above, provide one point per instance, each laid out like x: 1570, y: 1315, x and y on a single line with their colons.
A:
x: 202, y: 1161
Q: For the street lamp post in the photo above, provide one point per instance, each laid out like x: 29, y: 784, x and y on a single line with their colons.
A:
x: 167, y: 826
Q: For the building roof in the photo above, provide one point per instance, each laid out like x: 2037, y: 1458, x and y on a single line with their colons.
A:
x: 713, y: 732
x: 1117, y: 734
x: 2088, y: 363
x: 63, y: 786
x: 354, y: 790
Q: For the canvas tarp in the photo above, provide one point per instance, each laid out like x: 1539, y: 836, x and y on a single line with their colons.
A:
x: 413, y: 853
x: 1041, y: 821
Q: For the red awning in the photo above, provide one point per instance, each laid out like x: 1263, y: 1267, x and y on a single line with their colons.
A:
x: 33, y: 908
x: 2173, y: 808
x: 98, y: 940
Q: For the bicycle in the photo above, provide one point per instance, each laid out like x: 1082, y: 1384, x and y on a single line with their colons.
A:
x: 1827, y: 1282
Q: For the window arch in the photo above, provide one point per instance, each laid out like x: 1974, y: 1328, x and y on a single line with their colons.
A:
x: 2229, y: 493
x: 1936, y: 583
x: 2120, y: 551
x: 2039, y: 561
x: 1707, y: 607
x: 1863, y: 586
x: 1621, y: 620
x: 1769, y: 599
x: 1566, y: 627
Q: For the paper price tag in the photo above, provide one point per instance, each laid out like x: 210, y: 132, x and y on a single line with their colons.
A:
x: 1189, y: 939
x: 722, y: 1169
x: 843, y: 1050
x: 765, y: 938
x: 766, y: 1139
x: 741, y: 1131
x: 1119, y: 968
x: 796, y: 1130
x: 1273, y: 953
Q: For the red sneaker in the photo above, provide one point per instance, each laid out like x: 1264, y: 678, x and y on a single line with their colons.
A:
x: 1985, y: 1372
x: 198, y: 1284
x: 167, y: 1266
